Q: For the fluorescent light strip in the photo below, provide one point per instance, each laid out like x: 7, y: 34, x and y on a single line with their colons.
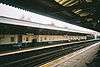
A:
x: 73, y: 3
x: 63, y: 1
x: 68, y: 2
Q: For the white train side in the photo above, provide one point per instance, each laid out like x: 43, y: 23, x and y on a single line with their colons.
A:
x: 10, y: 39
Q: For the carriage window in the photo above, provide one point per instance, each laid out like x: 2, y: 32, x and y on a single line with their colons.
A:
x: 26, y: 38
x: 12, y: 39
x: 40, y: 38
x: 45, y: 38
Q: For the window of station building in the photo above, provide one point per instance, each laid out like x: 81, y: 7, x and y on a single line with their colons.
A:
x: 12, y: 39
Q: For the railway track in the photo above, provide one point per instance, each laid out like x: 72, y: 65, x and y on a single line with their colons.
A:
x: 38, y: 57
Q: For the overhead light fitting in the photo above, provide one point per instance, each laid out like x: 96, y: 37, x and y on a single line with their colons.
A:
x: 89, y: 0
x: 67, y: 2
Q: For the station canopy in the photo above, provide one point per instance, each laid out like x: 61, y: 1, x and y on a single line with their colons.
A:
x: 84, y: 13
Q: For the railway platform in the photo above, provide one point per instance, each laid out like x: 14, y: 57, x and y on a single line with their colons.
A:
x: 96, y: 61
x: 79, y: 58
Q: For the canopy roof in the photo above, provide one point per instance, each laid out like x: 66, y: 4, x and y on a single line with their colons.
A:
x: 85, y: 11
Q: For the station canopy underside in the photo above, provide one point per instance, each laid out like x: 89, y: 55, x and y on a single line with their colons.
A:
x: 86, y: 12
x: 16, y: 26
x: 16, y: 29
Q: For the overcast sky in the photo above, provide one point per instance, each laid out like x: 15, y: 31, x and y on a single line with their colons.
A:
x: 9, y: 11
